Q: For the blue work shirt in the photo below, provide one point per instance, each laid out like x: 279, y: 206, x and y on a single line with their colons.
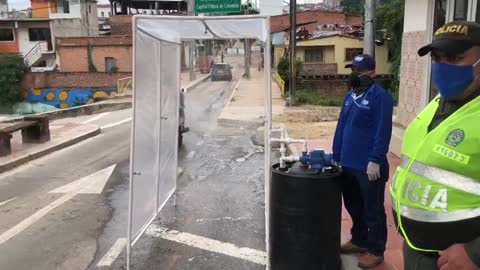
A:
x: 364, y: 129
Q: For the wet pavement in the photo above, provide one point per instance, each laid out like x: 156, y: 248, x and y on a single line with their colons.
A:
x: 219, y: 200
x: 220, y: 196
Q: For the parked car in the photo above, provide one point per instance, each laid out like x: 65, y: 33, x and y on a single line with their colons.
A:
x: 221, y: 72
x: 181, y: 123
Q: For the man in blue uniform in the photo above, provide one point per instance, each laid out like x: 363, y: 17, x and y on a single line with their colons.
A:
x: 360, y: 146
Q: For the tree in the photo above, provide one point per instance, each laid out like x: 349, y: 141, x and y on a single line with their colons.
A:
x: 357, y: 7
x: 247, y: 8
x: 390, y: 18
x: 11, y: 74
x: 354, y: 7
x: 283, y: 69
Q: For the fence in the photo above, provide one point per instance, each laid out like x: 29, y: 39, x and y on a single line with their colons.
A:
x: 124, y: 84
x: 281, y: 84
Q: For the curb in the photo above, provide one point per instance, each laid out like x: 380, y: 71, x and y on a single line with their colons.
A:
x: 196, y: 83
x: 235, y: 88
x: 235, y: 122
x: 80, y: 110
x: 41, y: 153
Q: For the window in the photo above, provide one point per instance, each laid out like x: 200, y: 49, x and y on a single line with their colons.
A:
x: 110, y: 64
x: 313, y: 55
x: 89, y: 9
x: 350, y: 53
x: 6, y: 34
x: 461, y: 8
x: 440, y: 14
x: 102, y: 14
x: 39, y: 34
x: 66, y: 6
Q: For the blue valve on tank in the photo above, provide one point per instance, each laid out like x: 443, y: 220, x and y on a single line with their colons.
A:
x: 316, y: 159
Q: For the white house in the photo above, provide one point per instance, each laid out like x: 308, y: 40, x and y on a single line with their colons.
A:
x: 422, y: 18
x: 104, y: 10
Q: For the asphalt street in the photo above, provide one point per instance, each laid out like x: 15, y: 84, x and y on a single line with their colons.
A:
x: 49, y: 220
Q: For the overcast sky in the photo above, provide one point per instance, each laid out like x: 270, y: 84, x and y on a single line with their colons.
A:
x: 23, y: 4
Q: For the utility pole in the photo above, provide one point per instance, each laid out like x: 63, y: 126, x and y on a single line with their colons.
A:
x: 192, y: 45
x: 369, y: 38
x: 246, y: 50
x: 293, y: 41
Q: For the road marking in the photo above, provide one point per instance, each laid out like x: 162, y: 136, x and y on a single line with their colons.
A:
x: 248, y: 254
x: 113, y: 253
x: 7, y: 201
x: 221, y: 219
x: 89, y: 184
x: 191, y: 155
x: 117, y: 123
x: 4, y: 237
x: 95, y: 118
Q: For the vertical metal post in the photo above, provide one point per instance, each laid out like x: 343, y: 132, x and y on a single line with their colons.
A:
x: 293, y: 39
x: 369, y: 45
x: 192, y: 45
x: 159, y: 58
x: 132, y: 156
x: 267, y: 128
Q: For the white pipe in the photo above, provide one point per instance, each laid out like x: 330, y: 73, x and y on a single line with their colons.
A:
x: 305, y: 147
x: 283, y: 150
x: 284, y: 160
x: 282, y: 132
x: 288, y: 141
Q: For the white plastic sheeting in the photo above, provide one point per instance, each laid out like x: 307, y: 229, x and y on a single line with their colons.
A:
x: 156, y: 90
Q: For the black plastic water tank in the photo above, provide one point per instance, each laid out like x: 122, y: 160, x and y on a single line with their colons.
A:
x: 305, y: 219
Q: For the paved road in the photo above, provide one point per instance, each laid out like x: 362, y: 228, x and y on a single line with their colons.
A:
x: 220, y: 198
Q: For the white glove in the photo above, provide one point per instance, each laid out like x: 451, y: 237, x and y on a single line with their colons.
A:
x: 336, y: 163
x: 373, y: 171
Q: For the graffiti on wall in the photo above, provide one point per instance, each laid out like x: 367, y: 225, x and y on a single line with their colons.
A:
x: 68, y: 98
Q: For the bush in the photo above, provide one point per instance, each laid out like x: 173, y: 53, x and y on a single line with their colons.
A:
x: 114, y: 69
x: 392, y: 87
x: 12, y: 70
x: 311, y: 98
x: 282, y: 69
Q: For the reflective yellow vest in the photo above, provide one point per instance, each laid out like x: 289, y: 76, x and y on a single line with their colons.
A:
x: 438, y: 180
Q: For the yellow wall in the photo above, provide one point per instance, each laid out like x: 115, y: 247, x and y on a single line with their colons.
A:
x: 278, y: 54
x: 337, y: 55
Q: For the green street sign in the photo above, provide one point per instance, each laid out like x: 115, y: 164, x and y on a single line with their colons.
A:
x: 217, y: 6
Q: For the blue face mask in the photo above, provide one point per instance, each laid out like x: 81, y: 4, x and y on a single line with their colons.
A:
x: 450, y: 80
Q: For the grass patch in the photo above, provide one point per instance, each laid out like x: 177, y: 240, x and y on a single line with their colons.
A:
x: 310, y: 98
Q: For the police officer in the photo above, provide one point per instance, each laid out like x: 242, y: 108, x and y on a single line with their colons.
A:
x: 436, y: 189
x: 360, y: 145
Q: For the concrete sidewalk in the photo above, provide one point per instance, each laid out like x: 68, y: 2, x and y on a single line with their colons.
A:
x: 61, y: 136
x: 247, y: 101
